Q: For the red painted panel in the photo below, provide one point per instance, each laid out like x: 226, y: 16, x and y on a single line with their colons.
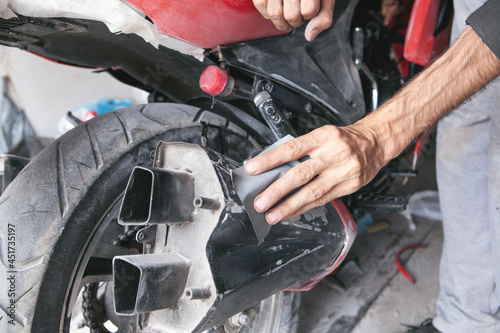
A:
x: 421, y: 47
x: 208, y: 23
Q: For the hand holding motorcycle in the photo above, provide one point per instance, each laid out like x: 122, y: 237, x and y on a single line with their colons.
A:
x: 287, y: 14
x: 341, y: 161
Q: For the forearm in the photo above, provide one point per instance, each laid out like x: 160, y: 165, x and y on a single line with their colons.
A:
x: 465, y: 68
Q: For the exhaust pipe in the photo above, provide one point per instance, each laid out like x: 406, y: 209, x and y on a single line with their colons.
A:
x: 157, y: 196
x: 145, y: 283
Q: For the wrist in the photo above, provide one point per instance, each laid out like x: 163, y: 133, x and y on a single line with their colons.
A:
x: 384, y: 132
x: 367, y: 141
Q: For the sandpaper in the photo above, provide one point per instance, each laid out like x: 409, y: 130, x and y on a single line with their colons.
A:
x: 248, y: 187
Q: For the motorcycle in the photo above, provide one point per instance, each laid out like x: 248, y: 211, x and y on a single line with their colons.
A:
x: 131, y: 221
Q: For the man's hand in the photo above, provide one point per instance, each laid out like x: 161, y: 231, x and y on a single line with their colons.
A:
x: 287, y: 14
x: 341, y: 161
x: 345, y: 158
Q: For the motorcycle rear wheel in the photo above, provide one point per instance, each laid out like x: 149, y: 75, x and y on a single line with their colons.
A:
x: 58, y: 217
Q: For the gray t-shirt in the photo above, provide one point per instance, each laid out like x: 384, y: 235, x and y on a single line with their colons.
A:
x: 486, y: 23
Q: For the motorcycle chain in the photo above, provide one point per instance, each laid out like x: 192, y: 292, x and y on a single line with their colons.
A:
x: 127, y: 238
x: 93, y: 318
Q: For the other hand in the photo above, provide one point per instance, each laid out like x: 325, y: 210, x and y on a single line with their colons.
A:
x: 342, y: 159
x: 390, y: 10
x: 287, y: 14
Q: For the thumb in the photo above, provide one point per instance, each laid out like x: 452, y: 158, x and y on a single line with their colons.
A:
x: 320, y: 22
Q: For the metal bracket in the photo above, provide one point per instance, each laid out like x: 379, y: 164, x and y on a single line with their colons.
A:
x: 279, y: 124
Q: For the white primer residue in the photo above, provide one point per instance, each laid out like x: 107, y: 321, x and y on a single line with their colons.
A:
x: 118, y: 16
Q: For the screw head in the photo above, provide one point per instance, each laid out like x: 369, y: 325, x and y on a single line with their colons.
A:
x: 308, y: 107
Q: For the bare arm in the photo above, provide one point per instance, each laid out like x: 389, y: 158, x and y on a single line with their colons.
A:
x: 346, y: 158
x: 286, y: 14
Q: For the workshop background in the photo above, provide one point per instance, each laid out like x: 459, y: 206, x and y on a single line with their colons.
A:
x: 367, y: 294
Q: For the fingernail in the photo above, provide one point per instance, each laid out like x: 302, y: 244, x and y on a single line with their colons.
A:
x: 252, y: 167
x: 273, y: 216
x: 313, y: 35
x: 261, y: 204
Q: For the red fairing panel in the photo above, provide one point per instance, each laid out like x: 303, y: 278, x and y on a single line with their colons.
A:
x: 421, y: 46
x: 351, y: 230
x: 208, y: 23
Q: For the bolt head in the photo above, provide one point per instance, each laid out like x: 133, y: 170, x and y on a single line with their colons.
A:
x: 268, y: 87
x: 243, y: 319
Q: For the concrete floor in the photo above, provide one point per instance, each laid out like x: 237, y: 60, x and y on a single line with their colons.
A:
x: 405, y: 303
x: 378, y: 298
x: 367, y: 296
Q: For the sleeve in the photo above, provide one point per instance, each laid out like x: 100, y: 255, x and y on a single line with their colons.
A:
x: 486, y: 23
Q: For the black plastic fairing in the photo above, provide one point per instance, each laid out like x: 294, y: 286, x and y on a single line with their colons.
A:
x: 322, y: 70
x: 245, y: 272
x: 237, y: 259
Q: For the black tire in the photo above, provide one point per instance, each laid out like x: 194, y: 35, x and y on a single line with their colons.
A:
x: 53, y: 210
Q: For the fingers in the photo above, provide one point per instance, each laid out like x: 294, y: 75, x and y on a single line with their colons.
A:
x: 317, y: 192
x: 390, y: 10
x: 336, y: 192
x: 291, y: 205
x: 294, y: 178
x: 276, y: 14
x: 292, y: 13
x: 286, y: 14
x: 288, y: 151
x: 261, y: 6
x: 310, y: 9
x: 321, y: 21
x: 312, y: 193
